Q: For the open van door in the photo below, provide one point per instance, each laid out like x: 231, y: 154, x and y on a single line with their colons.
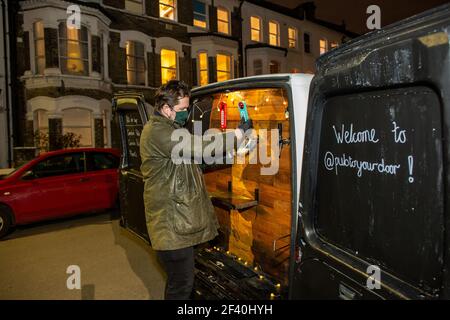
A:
x: 130, y: 115
x: 373, y: 212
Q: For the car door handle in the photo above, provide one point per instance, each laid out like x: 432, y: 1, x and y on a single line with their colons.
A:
x: 345, y: 293
x: 84, y: 179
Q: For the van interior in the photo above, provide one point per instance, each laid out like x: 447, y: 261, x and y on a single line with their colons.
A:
x: 250, y: 258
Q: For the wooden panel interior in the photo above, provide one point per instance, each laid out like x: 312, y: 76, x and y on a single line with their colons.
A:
x: 250, y: 233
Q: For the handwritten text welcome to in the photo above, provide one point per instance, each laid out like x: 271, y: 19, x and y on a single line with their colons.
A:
x: 347, y: 135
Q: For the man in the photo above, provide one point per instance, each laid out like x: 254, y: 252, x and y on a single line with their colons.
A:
x: 178, y: 210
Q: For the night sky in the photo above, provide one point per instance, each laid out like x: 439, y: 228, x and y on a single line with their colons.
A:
x: 354, y: 11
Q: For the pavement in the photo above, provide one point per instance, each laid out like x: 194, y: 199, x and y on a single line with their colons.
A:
x: 113, y: 263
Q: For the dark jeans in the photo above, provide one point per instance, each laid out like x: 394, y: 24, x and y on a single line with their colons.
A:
x: 179, y: 266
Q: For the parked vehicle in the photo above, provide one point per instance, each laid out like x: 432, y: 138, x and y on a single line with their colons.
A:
x: 358, y: 207
x: 59, y: 184
x: 374, y: 200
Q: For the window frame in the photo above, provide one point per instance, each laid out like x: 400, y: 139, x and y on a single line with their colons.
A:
x: 135, y: 57
x: 277, y: 63
x: 294, y: 40
x: 36, y: 40
x: 199, y: 70
x: 277, y: 24
x: 230, y: 72
x: 223, y: 21
x: 176, y: 64
x: 174, y: 7
x: 260, y: 35
x: 201, y: 14
x: 63, y: 59
x: 91, y: 126
x: 261, y: 67
x: 325, y: 49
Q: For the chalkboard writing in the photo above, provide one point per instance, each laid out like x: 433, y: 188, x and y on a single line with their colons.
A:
x: 380, y: 175
x: 133, y: 128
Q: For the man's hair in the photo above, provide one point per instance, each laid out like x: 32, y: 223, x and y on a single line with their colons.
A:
x: 170, y: 93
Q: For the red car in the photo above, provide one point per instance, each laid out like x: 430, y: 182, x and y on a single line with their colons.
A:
x: 59, y: 184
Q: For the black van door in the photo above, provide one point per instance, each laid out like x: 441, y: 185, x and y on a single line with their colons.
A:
x: 130, y: 117
x: 373, y: 211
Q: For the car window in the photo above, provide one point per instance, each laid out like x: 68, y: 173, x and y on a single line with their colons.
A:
x: 101, y: 161
x: 59, y: 165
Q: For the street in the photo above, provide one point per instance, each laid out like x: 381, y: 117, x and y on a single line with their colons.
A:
x: 114, y: 263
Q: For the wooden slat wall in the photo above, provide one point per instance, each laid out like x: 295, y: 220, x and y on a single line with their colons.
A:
x: 249, y: 234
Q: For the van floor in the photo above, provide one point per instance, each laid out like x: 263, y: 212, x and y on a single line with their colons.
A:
x: 221, y: 276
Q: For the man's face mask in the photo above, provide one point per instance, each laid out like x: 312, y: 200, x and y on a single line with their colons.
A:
x: 181, y: 117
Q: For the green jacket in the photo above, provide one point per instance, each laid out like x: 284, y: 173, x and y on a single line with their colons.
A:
x: 178, y: 210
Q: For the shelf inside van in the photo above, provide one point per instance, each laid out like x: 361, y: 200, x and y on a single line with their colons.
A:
x: 232, y: 201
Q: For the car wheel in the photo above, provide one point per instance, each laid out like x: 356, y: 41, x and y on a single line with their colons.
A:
x: 5, y: 220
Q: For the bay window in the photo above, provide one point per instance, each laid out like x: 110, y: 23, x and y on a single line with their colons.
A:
x: 73, y: 46
x: 223, y: 67
x: 39, y: 47
x: 202, y: 68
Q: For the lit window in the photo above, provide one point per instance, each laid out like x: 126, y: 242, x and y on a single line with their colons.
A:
x: 39, y: 47
x: 73, y: 45
x: 274, y: 67
x: 203, y: 68
x: 255, y: 25
x: 168, y: 65
x: 223, y: 21
x: 257, y: 67
x: 167, y: 9
x: 333, y: 45
x: 292, y: 37
x: 134, y: 6
x: 135, y: 63
x: 307, y: 42
x: 274, y: 33
x: 200, y: 14
x: 223, y: 67
x: 79, y: 121
x: 323, y: 46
